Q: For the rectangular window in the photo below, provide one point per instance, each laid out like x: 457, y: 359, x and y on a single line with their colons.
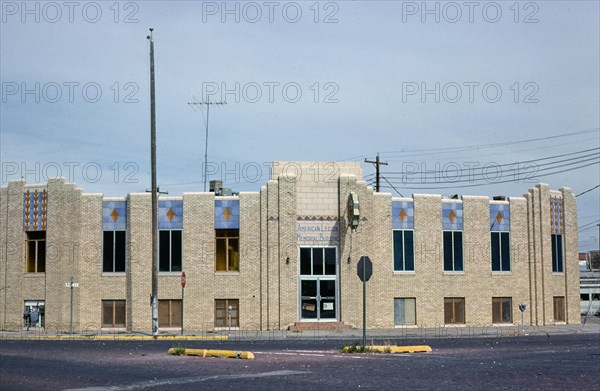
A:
x: 170, y: 250
x: 501, y: 310
x: 453, y: 251
x: 224, y: 308
x: 584, y: 296
x: 454, y: 310
x: 500, y: 243
x: 317, y: 261
x: 169, y: 313
x: 557, y: 254
x: 559, y: 308
x: 405, y: 311
x: 404, y: 254
x: 227, y: 257
x: 113, y: 251
x: 113, y: 313
x: 36, y: 252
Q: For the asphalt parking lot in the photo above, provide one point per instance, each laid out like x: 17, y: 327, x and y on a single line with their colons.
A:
x: 555, y: 362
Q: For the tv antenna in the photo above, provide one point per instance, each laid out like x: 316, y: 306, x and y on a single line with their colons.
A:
x: 206, y: 103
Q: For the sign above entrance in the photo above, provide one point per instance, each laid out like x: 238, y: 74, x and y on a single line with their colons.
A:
x: 317, y: 231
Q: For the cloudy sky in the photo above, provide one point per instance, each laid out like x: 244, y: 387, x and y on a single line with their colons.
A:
x: 457, y: 97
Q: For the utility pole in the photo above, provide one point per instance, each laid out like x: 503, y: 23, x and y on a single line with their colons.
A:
x: 377, y: 163
x: 208, y: 103
x: 154, y: 190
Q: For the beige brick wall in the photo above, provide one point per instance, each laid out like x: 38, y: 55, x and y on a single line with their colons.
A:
x: 266, y: 285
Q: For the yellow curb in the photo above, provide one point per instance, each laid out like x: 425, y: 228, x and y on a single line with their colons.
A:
x: 211, y: 353
x: 122, y: 337
x: 393, y: 349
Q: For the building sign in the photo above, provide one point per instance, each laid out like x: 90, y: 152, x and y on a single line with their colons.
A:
x: 324, y: 232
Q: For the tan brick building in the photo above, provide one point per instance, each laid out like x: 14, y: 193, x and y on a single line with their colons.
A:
x: 287, y: 254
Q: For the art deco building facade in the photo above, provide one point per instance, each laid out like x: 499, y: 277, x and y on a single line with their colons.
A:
x: 288, y: 254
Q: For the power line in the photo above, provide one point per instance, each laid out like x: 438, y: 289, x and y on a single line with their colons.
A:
x: 519, y: 170
x: 502, y: 144
x: 522, y: 162
x: 495, y: 182
x: 587, y: 191
x: 385, y: 179
x: 435, y: 151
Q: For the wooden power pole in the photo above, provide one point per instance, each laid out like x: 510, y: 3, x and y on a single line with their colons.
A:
x: 377, y: 163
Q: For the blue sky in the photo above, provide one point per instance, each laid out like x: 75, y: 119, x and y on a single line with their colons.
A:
x: 346, y: 79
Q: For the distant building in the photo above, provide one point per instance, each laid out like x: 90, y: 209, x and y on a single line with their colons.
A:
x: 589, y: 284
x: 287, y: 255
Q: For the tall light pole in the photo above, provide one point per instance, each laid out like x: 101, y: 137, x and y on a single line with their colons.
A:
x: 154, y: 190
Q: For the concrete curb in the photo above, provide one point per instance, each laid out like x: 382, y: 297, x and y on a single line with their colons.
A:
x: 211, y: 353
x: 121, y: 337
x: 392, y: 349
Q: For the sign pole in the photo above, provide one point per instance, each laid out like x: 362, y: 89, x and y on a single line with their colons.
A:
x: 183, y: 282
x: 364, y: 344
x: 71, y: 311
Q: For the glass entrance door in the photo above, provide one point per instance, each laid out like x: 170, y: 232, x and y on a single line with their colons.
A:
x: 318, y: 283
x: 317, y: 299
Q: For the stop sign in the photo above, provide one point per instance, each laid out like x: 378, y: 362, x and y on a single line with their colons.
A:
x: 365, y: 268
x: 183, y: 279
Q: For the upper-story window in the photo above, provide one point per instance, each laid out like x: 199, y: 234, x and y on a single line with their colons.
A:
x: 170, y: 250
x: 227, y: 256
x: 113, y: 251
x: 36, y: 252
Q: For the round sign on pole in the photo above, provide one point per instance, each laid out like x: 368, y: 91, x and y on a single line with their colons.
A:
x: 183, y: 279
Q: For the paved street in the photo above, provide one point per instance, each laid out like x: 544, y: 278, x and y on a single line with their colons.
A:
x: 549, y: 362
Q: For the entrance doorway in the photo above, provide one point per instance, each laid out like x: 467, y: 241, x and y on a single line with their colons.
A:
x: 36, y: 314
x: 318, y: 283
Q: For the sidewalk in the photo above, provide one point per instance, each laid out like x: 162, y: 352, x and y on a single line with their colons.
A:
x: 438, y: 332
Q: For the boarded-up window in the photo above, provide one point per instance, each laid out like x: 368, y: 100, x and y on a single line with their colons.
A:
x: 559, y: 308
x: 113, y: 313
x: 169, y: 313
x: 454, y: 310
x: 501, y: 310
x: 405, y: 311
x: 223, y: 311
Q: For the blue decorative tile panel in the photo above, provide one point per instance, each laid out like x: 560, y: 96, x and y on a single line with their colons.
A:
x: 452, y: 216
x: 556, y: 213
x: 499, y: 217
x: 227, y: 214
x: 34, y: 210
x: 170, y: 214
x: 114, y: 215
x: 403, y: 215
